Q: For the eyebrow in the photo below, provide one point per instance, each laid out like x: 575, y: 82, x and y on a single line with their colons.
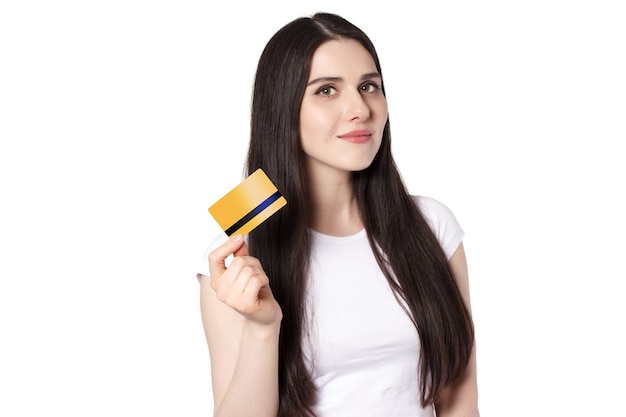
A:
x: 335, y: 79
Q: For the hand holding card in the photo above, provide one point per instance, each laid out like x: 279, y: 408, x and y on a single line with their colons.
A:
x: 247, y: 205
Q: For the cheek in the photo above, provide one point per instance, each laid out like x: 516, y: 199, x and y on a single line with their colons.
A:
x: 382, y: 111
x: 313, y: 123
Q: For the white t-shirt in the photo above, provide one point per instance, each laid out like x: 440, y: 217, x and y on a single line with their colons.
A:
x: 362, y: 348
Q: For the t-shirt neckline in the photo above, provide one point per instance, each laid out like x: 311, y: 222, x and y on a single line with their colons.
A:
x: 318, y: 235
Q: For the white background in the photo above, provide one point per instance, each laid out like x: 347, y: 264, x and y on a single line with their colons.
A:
x: 122, y: 121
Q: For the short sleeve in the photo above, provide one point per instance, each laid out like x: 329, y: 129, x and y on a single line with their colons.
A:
x: 442, y: 222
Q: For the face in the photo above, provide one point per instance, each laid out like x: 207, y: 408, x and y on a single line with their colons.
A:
x: 344, y: 110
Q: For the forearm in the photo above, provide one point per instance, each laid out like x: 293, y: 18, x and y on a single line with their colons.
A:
x: 253, y: 389
x: 460, y: 399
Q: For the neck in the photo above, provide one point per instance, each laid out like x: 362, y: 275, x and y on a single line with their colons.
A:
x: 335, y: 210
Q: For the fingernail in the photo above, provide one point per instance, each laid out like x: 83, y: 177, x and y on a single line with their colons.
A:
x: 236, y: 238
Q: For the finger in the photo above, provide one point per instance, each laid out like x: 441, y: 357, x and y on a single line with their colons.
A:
x: 236, y: 290
x: 217, y: 258
x: 252, y: 293
x: 240, y: 271
x: 232, y: 281
x: 254, y: 285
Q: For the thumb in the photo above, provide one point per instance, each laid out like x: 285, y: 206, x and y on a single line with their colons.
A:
x: 217, y: 258
x: 242, y: 251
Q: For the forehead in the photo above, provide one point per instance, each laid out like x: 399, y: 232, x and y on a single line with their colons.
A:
x: 341, y: 58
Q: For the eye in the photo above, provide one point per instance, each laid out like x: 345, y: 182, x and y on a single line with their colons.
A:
x: 326, y: 91
x: 369, y: 87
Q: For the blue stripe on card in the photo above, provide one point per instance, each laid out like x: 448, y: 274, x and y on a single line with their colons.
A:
x: 252, y: 214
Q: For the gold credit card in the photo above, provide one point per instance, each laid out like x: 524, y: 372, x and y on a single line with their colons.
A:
x: 247, y: 205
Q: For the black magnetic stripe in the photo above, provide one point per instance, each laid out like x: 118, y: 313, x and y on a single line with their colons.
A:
x: 245, y: 219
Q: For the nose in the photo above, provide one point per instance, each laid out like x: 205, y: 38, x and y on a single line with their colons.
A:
x: 356, y: 108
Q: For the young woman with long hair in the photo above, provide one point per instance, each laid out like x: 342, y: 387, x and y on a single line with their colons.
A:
x: 352, y: 300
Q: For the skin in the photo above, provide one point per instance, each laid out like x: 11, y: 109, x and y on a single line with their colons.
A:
x: 241, y: 320
x: 343, y: 95
x: 241, y: 317
x: 461, y: 399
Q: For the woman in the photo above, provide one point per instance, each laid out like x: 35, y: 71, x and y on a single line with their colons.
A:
x: 353, y: 299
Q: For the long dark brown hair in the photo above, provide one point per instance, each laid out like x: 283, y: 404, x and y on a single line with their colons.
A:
x: 404, y: 244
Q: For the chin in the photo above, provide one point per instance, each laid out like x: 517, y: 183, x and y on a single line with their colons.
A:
x: 360, y: 167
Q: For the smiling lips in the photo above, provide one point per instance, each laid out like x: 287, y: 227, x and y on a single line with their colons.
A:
x: 356, y: 136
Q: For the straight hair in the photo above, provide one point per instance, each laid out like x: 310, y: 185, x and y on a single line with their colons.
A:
x: 404, y: 245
